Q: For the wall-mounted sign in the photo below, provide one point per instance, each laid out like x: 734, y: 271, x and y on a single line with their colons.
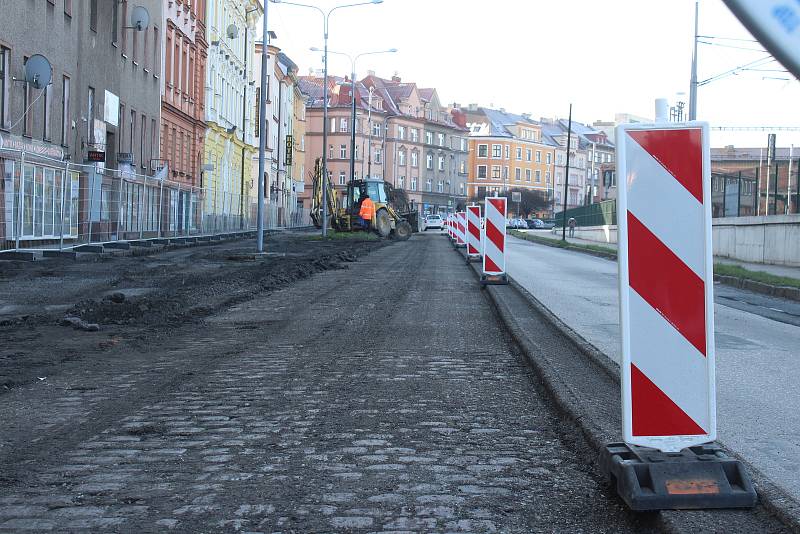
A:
x: 289, y: 149
x: 12, y: 142
x: 125, y: 157
x: 96, y: 156
x: 111, y: 109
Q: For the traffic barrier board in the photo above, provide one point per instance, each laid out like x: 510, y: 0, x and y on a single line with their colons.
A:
x: 494, y: 243
x: 666, y: 285
x: 473, y: 233
x: 461, y: 229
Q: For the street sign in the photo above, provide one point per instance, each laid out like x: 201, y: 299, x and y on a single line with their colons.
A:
x: 776, y: 25
x: 95, y: 156
x: 666, y: 285
x: 516, y: 196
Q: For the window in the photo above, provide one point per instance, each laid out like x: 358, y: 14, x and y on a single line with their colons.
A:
x: 114, y: 21
x: 429, y: 185
x: 497, y: 151
x: 142, y: 142
x: 401, y: 132
x: 4, y: 84
x: 48, y: 103
x: 505, y: 173
x: 441, y: 139
x: 462, y: 167
x: 441, y: 163
x: 342, y: 178
x: 482, y: 172
x: 343, y: 125
x: 508, y: 152
x: 528, y: 154
x: 401, y: 158
x: 153, y: 140
x: 333, y: 124
x: 538, y: 176
x: 68, y: 8
x: 429, y: 161
x: 440, y: 186
x: 27, y: 112
x: 463, y: 145
x: 90, y: 115
x: 330, y: 151
x: 93, y: 15
x: 413, y: 183
x: 65, y: 120
x: 132, y: 138
x: 495, y: 172
x: 547, y: 177
x: 156, y: 52
x: 519, y: 154
x: 483, y: 151
x: 415, y: 159
x: 414, y: 135
x: 121, y: 135
x: 355, y: 152
x: 378, y: 155
x: 527, y: 175
x: 517, y: 174
x: 343, y: 151
x: 538, y: 156
x: 376, y: 129
x: 401, y: 182
x: 549, y: 158
x: 42, y: 190
x: 429, y: 138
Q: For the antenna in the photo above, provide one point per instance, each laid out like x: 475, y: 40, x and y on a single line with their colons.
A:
x: 38, y: 71
x: 140, y: 19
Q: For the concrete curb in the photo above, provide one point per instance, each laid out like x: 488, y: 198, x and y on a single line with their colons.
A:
x: 774, y: 500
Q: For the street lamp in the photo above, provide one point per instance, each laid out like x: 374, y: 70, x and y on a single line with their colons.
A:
x: 325, y: 20
x: 353, y: 99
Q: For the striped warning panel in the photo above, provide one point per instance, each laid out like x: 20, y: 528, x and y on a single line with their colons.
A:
x: 461, y: 229
x: 666, y: 284
x: 473, y: 230
x: 494, y: 245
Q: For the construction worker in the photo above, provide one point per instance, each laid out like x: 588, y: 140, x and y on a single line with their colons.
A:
x: 367, y: 211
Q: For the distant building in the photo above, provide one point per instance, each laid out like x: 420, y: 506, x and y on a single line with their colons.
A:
x: 507, y: 151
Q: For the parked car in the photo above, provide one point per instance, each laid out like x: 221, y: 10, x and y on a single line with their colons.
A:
x: 539, y: 224
x: 433, y: 220
x: 517, y: 224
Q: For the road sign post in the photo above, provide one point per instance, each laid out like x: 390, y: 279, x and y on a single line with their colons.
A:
x: 667, y: 322
x: 494, y: 243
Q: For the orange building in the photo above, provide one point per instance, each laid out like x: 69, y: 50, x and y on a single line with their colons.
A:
x: 507, y: 151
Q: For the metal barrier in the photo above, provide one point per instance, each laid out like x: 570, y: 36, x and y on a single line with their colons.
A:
x: 52, y: 204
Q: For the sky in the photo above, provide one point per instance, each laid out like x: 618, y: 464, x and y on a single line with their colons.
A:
x: 538, y: 56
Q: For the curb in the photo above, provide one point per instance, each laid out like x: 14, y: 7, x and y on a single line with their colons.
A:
x: 783, y: 507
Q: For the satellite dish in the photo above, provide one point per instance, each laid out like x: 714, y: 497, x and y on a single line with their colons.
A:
x: 140, y: 18
x: 38, y: 71
x: 232, y: 31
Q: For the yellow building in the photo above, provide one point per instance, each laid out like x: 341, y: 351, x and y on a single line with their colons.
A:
x: 230, y: 142
x: 507, y: 151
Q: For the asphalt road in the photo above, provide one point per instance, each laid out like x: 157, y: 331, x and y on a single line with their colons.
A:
x: 758, y: 344
x: 380, y: 397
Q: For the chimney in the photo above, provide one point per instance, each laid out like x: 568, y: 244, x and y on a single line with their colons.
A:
x: 370, y: 73
x: 396, y: 78
x: 473, y: 107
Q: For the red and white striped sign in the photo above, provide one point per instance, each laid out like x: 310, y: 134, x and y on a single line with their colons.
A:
x: 450, y: 226
x: 494, y: 243
x: 666, y: 285
x: 473, y: 231
x: 461, y: 229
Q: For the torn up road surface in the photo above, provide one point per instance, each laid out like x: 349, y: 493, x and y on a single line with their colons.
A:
x: 381, y: 397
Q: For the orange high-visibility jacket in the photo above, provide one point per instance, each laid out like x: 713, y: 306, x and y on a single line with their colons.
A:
x: 367, y: 210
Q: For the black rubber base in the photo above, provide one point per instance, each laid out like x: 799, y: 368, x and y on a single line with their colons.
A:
x: 697, y: 477
x: 474, y: 258
x: 494, y: 280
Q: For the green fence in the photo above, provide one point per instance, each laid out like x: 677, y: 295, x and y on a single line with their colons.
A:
x: 598, y: 214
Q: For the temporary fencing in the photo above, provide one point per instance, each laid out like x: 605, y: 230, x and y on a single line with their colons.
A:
x: 51, y: 204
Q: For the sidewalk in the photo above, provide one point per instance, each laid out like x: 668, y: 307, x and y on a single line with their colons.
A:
x: 776, y: 270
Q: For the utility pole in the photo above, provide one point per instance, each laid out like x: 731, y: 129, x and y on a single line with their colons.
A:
x: 369, y: 125
x: 353, y: 123
x: 693, y: 82
x: 566, y: 178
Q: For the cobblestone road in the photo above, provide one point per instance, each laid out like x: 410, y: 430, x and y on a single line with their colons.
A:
x: 382, y: 398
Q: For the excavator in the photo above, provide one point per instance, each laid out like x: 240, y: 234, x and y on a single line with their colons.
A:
x: 393, y: 217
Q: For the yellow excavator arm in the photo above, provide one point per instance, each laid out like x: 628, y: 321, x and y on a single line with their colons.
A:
x: 317, y: 196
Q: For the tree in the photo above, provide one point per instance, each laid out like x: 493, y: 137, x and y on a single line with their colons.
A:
x: 531, y: 201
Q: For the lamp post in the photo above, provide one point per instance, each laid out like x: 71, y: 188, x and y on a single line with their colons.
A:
x: 353, y: 99
x: 326, y: 15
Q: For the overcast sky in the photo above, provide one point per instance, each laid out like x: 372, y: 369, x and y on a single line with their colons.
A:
x: 537, y: 56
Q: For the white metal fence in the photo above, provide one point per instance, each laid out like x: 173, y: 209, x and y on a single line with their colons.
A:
x: 47, y: 204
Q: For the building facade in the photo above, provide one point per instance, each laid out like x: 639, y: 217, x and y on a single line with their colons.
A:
x: 557, y: 132
x: 183, y: 110
x: 229, y: 142
x: 507, y: 151
x: 100, y: 114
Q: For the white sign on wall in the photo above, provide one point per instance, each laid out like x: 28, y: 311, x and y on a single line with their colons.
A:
x: 111, y: 109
